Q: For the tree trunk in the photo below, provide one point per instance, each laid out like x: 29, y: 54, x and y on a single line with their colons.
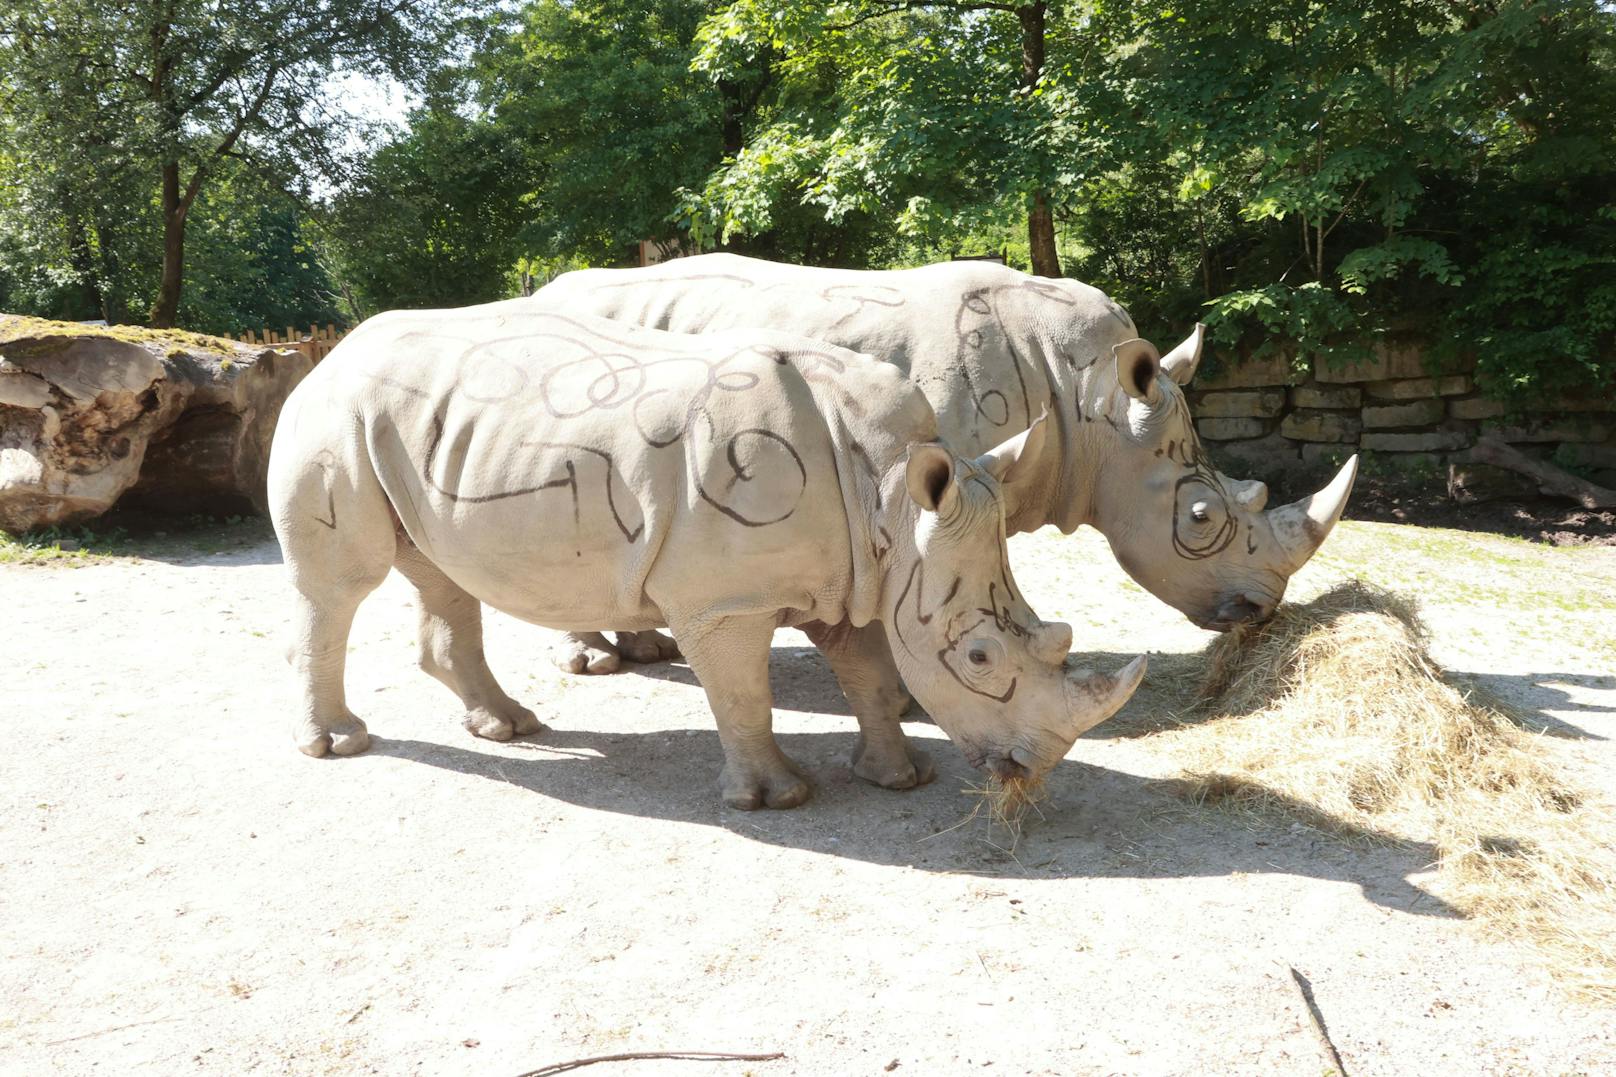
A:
x: 84, y: 263
x: 1041, y: 237
x: 1040, y: 220
x: 167, y: 305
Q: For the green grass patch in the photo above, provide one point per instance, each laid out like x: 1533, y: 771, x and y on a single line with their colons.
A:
x: 66, y: 546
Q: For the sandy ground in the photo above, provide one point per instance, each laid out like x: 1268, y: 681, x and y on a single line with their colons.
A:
x: 182, y: 892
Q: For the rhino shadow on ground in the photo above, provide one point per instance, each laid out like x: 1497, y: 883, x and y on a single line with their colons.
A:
x: 1098, y: 822
x: 802, y: 681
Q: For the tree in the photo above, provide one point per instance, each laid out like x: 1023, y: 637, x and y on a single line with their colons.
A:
x: 433, y: 217
x: 943, y: 114
x: 1334, y: 174
x: 171, y: 90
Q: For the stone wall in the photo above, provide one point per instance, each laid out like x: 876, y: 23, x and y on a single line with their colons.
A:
x: 1273, y: 422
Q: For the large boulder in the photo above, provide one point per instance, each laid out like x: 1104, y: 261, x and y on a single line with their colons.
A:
x: 172, y: 420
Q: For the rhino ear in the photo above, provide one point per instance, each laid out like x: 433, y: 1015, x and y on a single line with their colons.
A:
x: 930, y: 476
x: 1004, y: 461
x: 1138, y: 363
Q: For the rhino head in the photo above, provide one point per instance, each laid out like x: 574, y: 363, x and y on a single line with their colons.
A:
x: 1203, y: 542
x: 995, y: 678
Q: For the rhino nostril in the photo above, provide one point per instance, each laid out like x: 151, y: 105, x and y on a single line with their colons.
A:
x: 1005, y: 768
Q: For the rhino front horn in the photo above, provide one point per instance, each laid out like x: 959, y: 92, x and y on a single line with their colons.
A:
x: 1301, y: 527
x: 1094, y: 698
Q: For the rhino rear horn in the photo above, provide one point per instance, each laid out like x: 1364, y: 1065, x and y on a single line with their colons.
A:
x: 1001, y: 461
x: 1093, y: 699
x: 1051, y: 640
x: 1180, y: 363
x: 1301, y: 527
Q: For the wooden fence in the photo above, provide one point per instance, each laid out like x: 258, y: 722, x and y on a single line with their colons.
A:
x: 315, y: 343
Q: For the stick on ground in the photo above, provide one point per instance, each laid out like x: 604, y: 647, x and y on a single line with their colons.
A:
x: 1317, y: 1018
x: 1550, y: 479
x: 700, y: 1056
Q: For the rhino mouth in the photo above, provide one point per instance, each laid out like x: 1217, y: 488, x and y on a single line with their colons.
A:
x: 1238, y: 610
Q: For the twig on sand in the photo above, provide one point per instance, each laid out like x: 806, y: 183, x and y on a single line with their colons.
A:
x: 105, y: 1031
x: 1317, y: 1018
x: 698, y: 1056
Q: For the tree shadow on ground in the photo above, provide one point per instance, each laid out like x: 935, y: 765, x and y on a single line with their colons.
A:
x: 1098, y: 822
x: 1528, y: 698
x: 1168, y: 698
x: 179, y: 540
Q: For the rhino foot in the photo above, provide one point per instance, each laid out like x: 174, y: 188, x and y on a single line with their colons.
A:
x: 783, y: 787
x: 892, y: 766
x: 502, y: 723
x: 345, y: 736
x: 587, y: 653
x: 647, y: 646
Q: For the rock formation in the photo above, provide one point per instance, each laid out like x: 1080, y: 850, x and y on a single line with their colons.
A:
x: 173, y: 421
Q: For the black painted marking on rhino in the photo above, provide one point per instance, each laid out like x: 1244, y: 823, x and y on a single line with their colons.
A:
x: 952, y: 646
x: 326, y: 461
x: 742, y: 473
x: 985, y: 302
x: 330, y: 510
x: 1188, y: 452
x: 862, y: 457
x: 569, y: 481
x: 612, y: 379
x: 851, y: 292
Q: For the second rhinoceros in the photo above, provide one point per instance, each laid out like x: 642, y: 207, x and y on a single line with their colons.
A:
x: 991, y: 347
x: 579, y: 473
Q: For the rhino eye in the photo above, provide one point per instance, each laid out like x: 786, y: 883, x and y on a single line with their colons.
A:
x: 977, y: 656
x: 1200, y: 512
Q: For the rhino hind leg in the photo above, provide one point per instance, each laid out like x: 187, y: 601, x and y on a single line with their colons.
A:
x: 647, y: 647
x: 332, y: 568
x: 730, y: 657
x: 869, y: 678
x: 586, y: 652
x: 451, y: 640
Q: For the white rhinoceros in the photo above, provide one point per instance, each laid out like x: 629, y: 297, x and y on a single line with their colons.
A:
x: 576, y: 473
x: 991, y: 347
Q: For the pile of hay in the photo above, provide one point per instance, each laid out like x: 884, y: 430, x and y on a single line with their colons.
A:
x: 1005, y: 803
x: 1334, y: 713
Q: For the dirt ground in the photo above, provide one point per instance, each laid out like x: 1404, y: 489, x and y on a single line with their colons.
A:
x: 182, y: 892
x: 1556, y: 521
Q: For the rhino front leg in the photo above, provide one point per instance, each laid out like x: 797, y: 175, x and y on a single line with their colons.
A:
x: 869, y: 678
x: 586, y: 652
x: 451, y: 640
x: 730, y: 656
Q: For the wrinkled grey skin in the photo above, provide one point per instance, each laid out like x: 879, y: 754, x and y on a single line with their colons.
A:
x: 991, y: 347
x: 576, y: 472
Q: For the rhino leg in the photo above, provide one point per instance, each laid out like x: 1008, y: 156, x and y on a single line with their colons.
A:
x: 869, y: 678
x: 646, y: 647
x: 452, y: 650
x: 730, y: 656
x: 332, y: 569
x: 585, y: 652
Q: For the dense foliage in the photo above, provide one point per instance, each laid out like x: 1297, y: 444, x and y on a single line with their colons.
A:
x: 1305, y: 176
x: 114, y: 114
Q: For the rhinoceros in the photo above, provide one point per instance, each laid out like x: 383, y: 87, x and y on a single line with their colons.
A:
x: 576, y: 472
x: 990, y: 347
